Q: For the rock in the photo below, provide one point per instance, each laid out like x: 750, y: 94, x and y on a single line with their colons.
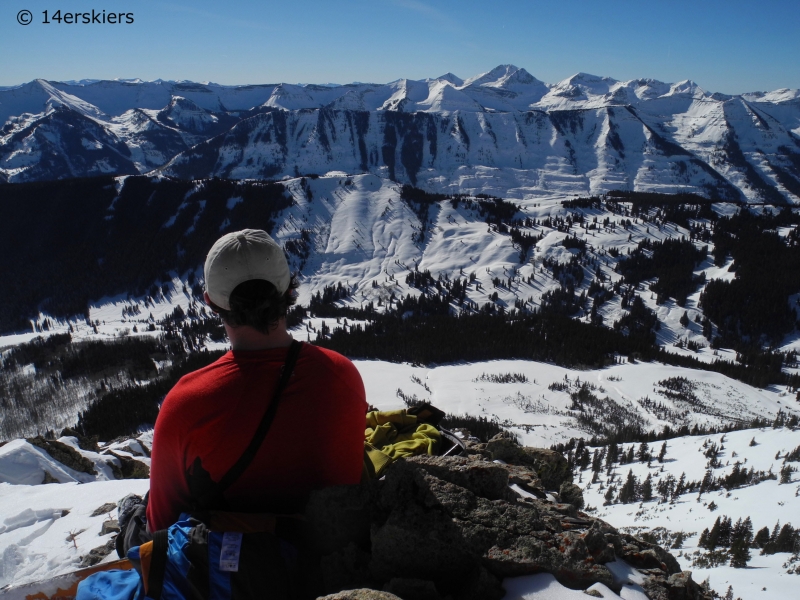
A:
x: 347, y: 567
x: 64, y: 454
x: 593, y: 593
x: 85, y: 443
x: 110, y: 526
x: 645, y: 555
x: 571, y: 494
x: 49, y: 478
x: 129, y: 449
x: 484, y: 479
x: 678, y: 586
x: 446, y: 527
x: 104, y: 510
x: 97, y: 554
x: 550, y: 466
x: 362, y: 594
x: 129, y: 468
x: 144, y: 448
x: 601, y: 551
x: 527, y: 479
x: 340, y: 516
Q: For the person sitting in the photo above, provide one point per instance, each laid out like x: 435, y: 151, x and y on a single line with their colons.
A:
x: 208, y: 419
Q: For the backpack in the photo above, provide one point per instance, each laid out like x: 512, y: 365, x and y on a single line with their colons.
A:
x: 223, y: 555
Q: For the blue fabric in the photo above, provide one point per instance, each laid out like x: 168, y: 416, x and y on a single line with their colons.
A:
x: 111, y: 585
x: 175, y: 583
x: 219, y: 582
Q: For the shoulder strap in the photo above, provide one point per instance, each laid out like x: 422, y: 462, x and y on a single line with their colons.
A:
x: 261, y: 432
x: 158, y: 564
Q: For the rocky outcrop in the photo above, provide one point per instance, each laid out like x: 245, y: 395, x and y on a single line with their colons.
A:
x: 64, y: 454
x: 129, y: 468
x: 549, y: 466
x: 84, y: 442
x: 451, y: 527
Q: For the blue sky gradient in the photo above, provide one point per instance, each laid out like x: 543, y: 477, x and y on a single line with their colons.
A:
x: 730, y: 47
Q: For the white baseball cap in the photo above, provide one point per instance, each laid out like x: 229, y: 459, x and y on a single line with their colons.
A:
x: 240, y: 256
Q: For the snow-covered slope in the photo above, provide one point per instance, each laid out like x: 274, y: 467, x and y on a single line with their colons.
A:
x: 502, y: 132
x: 765, y: 503
x: 360, y: 233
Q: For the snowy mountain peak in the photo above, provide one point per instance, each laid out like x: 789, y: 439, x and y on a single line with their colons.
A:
x: 589, y: 78
x: 776, y: 96
x: 352, y: 100
x: 584, y: 84
x: 58, y: 97
x: 290, y: 97
x: 498, y: 76
x: 187, y: 115
x: 444, y: 98
x: 687, y: 88
x: 450, y: 78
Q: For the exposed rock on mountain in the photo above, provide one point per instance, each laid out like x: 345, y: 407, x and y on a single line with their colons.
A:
x: 440, y: 527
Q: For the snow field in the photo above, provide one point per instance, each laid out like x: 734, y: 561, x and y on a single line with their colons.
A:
x: 765, y: 503
x: 540, y: 415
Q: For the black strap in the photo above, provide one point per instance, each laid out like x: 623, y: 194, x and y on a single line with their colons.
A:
x: 261, y: 432
x: 158, y: 564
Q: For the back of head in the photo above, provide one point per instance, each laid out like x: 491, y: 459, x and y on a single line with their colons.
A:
x: 248, y: 280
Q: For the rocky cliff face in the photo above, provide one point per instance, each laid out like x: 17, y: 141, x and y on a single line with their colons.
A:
x: 452, y: 527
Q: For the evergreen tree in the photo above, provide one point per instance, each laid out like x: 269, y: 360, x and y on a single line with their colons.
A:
x: 786, y: 473
x: 743, y: 530
x: 597, y: 462
x: 628, y: 492
x: 725, y: 530
x: 643, y: 453
x: 708, y: 481
x: 713, y: 536
x: 647, y: 488
x: 680, y: 488
x: 740, y: 554
x: 729, y: 593
x: 773, y: 537
x: 785, y: 542
x: 612, y: 455
x: 680, y: 537
x: 703, y: 541
x: 762, y: 537
x: 662, y: 453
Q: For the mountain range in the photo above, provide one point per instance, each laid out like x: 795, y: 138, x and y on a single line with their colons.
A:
x: 503, y: 132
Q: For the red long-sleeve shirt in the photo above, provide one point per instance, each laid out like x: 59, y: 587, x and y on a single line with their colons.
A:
x: 316, y: 439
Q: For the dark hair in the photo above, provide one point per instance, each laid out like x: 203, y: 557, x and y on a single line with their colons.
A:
x: 258, y: 304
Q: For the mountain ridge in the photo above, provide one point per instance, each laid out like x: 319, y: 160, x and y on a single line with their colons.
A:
x: 502, y: 132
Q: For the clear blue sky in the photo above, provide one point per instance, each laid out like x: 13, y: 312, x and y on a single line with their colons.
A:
x: 728, y: 46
